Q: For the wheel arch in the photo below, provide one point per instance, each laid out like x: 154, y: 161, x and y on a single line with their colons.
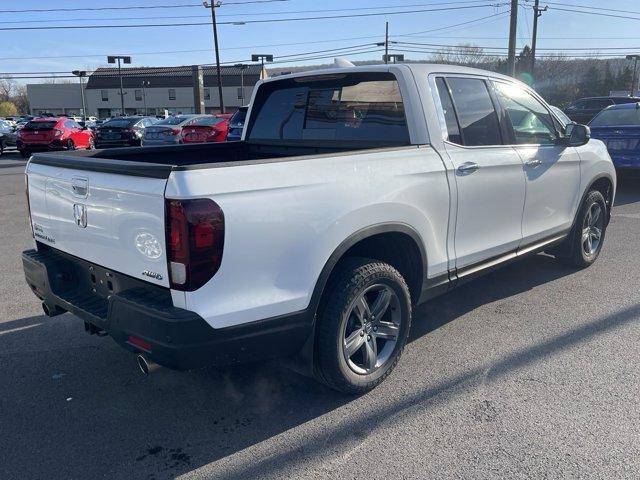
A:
x: 364, y: 243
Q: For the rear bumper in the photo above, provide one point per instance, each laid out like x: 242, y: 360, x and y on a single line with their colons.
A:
x: 128, y: 307
x: 117, y: 143
x: 40, y: 147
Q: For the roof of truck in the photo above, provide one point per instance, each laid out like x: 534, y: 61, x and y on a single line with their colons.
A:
x: 419, y: 68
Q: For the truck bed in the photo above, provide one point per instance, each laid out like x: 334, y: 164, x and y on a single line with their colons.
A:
x: 159, y: 162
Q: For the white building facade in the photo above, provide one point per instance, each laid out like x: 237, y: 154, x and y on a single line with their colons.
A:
x: 147, y: 91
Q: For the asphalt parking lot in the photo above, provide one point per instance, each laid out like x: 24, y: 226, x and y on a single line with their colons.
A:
x: 532, y: 371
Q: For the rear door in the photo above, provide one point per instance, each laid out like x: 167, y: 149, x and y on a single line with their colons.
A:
x: 552, y: 171
x: 488, y: 174
x: 110, y: 219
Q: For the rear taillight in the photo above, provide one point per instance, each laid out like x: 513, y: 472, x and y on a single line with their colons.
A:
x: 175, y: 131
x: 26, y: 191
x: 195, y: 241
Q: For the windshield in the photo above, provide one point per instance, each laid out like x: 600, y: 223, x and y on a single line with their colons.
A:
x: 616, y: 117
x: 120, y: 122
x: 175, y: 120
x: 40, y: 125
x: 239, y: 117
x: 207, y: 121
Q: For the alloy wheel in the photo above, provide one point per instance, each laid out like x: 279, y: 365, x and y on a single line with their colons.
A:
x: 592, y: 228
x: 371, y: 328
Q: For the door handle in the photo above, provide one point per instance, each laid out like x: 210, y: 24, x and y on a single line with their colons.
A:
x: 467, y: 168
x: 533, y: 163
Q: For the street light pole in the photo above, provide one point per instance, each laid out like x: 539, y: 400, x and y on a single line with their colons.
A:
x: 261, y: 57
x: 80, y: 74
x: 145, y: 83
x: 242, y: 68
x: 635, y: 72
x: 213, y: 7
x: 125, y: 59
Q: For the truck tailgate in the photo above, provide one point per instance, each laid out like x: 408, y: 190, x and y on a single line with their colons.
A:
x: 107, y: 218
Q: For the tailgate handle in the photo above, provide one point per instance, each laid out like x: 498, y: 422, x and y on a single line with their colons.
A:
x: 80, y: 186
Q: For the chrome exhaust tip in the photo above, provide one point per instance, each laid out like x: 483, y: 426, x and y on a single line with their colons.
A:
x: 146, y: 365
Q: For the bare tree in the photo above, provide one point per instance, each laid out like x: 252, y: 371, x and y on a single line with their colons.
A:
x: 7, y: 87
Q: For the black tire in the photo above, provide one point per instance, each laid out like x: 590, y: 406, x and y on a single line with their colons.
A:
x: 1, y: 148
x: 91, y: 145
x: 574, y: 251
x: 352, y: 278
x: 70, y: 145
x: 25, y: 153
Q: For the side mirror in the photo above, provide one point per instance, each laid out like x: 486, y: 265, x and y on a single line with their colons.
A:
x: 577, y: 135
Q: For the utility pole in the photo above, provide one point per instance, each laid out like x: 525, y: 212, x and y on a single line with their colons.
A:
x: 635, y: 72
x: 80, y: 74
x: 511, y: 59
x: 537, y: 12
x: 125, y: 59
x: 386, y: 42
x: 213, y: 7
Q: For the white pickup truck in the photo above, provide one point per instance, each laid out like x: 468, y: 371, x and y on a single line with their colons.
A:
x: 355, y: 194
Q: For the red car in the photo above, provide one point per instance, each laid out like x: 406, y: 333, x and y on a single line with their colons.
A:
x: 60, y: 133
x: 209, y: 128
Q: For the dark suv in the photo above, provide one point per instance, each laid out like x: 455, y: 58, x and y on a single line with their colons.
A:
x: 122, y: 131
x: 584, y: 109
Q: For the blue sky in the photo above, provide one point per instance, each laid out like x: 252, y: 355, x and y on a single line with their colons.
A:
x: 65, y: 50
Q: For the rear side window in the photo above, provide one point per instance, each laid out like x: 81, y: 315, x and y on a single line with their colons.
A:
x: 475, y: 111
x: 453, y: 129
x: 364, y: 107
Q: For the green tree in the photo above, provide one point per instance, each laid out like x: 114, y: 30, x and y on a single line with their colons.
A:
x: 7, y: 109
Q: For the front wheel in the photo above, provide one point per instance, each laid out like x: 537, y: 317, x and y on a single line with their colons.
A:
x: 25, y: 153
x: 91, y: 144
x: 363, y: 325
x: 587, y: 236
x: 71, y: 145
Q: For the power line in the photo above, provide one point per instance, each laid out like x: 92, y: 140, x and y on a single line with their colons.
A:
x: 132, y: 7
x: 243, y: 22
x: 282, y: 12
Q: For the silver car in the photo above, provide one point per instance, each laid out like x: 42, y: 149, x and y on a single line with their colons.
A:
x: 167, y: 131
x: 7, y: 135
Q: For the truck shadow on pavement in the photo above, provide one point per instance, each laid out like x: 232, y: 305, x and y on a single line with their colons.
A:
x: 74, y: 406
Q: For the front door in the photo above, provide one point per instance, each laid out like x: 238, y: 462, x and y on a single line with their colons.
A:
x: 488, y: 174
x: 552, y: 170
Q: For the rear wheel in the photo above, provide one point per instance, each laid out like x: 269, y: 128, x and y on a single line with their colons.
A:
x: 1, y: 148
x: 363, y: 325
x: 585, y: 241
x: 25, y: 153
x: 70, y: 145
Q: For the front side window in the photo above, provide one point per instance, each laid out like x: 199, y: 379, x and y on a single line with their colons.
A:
x: 105, y: 95
x: 353, y: 107
x: 530, y: 120
x: 475, y: 111
x: 172, y: 94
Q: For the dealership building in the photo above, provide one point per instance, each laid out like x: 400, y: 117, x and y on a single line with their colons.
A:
x: 148, y: 91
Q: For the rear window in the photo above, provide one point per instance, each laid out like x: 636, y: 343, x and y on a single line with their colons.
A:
x: 175, y: 120
x: 121, y: 122
x: 207, y: 121
x: 355, y: 107
x: 40, y: 125
x: 617, y: 117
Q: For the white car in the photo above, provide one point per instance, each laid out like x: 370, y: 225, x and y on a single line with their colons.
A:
x: 354, y: 195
